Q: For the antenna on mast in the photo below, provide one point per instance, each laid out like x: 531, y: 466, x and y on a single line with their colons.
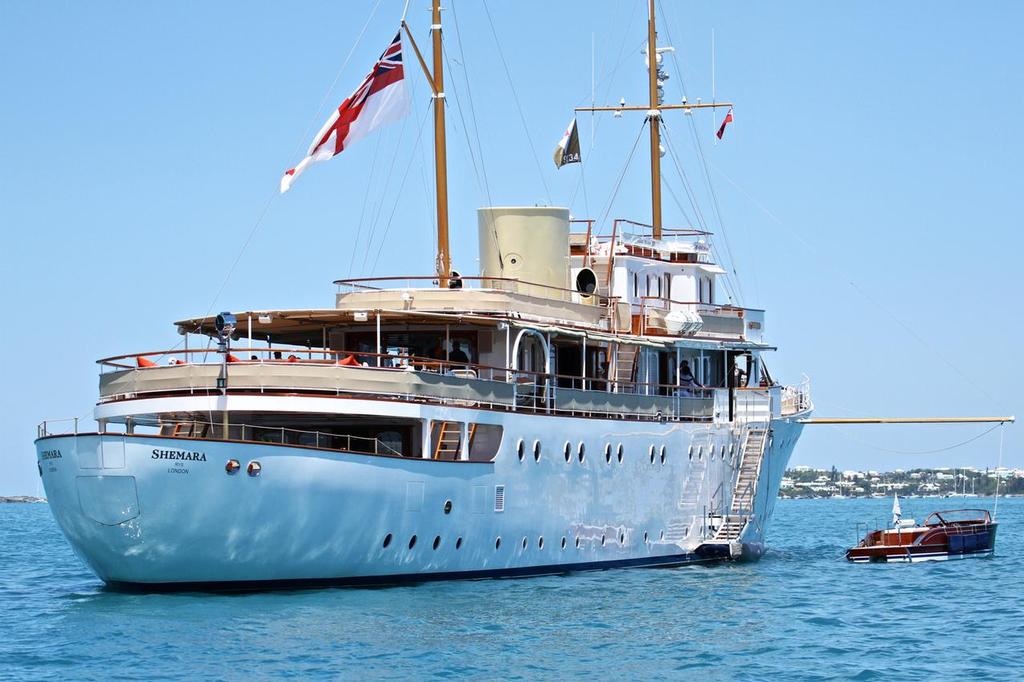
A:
x: 656, y: 77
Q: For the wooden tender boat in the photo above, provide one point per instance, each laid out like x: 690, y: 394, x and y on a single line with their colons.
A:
x: 952, y: 534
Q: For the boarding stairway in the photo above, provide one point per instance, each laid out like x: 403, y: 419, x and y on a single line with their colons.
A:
x: 729, y: 527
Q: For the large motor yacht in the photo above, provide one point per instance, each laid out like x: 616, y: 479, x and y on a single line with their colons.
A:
x: 582, y: 403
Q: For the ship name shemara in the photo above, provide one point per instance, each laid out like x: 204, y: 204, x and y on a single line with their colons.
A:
x: 179, y: 455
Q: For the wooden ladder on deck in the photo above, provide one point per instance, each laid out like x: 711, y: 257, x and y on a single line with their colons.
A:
x: 625, y: 365
x: 449, y: 439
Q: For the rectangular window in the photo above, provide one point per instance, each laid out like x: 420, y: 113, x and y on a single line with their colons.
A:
x: 484, y: 442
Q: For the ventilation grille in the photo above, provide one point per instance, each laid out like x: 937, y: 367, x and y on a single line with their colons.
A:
x: 499, y: 498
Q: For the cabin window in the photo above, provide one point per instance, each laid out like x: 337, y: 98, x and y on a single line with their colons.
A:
x: 658, y: 281
x: 636, y: 285
x: 567, y: 451
x: 484, y: 442
x: 668, y: 287
x: 648, y: 285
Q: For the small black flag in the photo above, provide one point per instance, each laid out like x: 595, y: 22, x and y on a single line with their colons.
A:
x: 568, y: 149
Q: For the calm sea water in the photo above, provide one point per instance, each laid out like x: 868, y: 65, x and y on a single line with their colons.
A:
x: 801, y: 612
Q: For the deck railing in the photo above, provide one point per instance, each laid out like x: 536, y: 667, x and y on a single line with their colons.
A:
x: 244, y: 432
x: 400, y: 376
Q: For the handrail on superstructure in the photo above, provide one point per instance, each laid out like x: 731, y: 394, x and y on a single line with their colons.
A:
x: 433, y: 365
x: 361, y: 282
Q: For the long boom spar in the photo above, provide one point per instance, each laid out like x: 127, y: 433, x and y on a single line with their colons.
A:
x: 908, y: 420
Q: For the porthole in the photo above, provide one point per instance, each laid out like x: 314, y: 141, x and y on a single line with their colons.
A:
x: 536, y: 451
x: 447, y: 506
x: 622, y: 538
x: 458, y: 543
x: 577, y: 543
x: 732, y: 448
x: 662, y: 536
x: 521, y: 449
x: 603, y: 539
x: 412, y: 542
x: 437, y: 541
x: 563, y: 542
x: 497, y: 542
x: 608, y: 453
x: 721, y: 452
x: 540, y: 542
x: 700, y: 452
x: 662, y: 454
x: 650, y: 452
x: 387, y: 540
x: 645, y: 537
x: 567, y: 451
x: 581, y: 452
x: 618, y: 453
x: 524, y: 542
x: 689, y: 453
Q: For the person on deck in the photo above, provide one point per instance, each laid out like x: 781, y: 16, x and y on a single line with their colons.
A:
x: 687, y: 382
x: 458, y: 357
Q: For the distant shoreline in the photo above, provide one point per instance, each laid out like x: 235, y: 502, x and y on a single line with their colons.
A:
x: 15, y: 499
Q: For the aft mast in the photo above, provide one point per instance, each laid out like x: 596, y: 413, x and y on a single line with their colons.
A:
x: 436, y: 80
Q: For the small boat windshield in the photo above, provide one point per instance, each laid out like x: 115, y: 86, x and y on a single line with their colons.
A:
x: 958, y: 516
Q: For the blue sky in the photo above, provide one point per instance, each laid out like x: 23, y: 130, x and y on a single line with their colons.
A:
x: 869, y: 187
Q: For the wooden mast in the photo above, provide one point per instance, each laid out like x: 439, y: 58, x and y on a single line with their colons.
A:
x: 436, y: 80
x: 440, y: 155
x: 653, y: 110
x: 654, y: 118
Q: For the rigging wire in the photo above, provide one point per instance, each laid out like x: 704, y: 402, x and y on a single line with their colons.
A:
x: 480, y: 181
x: 726, y: 281
x: 840, y: 272
x: 618, y: 183
x: 917, y: 452
x: 704, y: 165
x: 515, y: 97
x: 472, y: 107
x: 482, y: 173
x: 398, y: 194
x: 298, y: 149
x: 1002, y: 432
x: 380, y: 206
x: 362, y: 211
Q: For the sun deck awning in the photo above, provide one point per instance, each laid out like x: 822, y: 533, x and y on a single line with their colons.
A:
x: 305, y: 327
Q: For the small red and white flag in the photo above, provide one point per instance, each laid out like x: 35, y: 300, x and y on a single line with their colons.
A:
x: 727, y: 121
x: 380, y: 99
